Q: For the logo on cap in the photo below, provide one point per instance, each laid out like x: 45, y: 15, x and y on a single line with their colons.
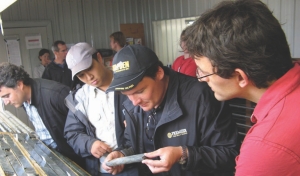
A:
x: 121, y: 66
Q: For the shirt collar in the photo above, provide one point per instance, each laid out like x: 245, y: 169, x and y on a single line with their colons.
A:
x: 99, y: 91
x: 278, y: 90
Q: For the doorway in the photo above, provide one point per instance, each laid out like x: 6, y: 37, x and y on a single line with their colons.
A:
x: 29, y: 57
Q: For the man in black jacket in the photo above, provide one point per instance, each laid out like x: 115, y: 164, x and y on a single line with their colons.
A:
x: 58, y: 70
x: 173, y: 117
x: 43, y: 101
x: 95, y: 123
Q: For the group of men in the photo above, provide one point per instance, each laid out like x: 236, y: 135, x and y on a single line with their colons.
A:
x: 57, y: 70
x: 182, y: 124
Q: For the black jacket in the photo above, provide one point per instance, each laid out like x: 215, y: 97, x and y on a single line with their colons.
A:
x: 58, y: 74
x: 80, y: 133
x: 192, y: 117
x: 48, y: 98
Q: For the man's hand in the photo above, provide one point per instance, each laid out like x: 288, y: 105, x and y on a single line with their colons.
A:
x: 116, y: 169
x: 168, y: 156
x: 99, y: 148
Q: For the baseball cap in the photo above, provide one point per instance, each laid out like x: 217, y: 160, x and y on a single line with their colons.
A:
x: 79, y: 57
x: 130, y: 65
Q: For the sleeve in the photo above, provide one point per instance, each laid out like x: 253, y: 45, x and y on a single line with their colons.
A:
x: 75, y: 131
x: 60, y: 100
x: 265, y: 158
x: 127, y: 149
x: 77, y: 138
x: 36, y: 73
x: 218, y: 138
x: 46, y: 74
x: 129, y: 135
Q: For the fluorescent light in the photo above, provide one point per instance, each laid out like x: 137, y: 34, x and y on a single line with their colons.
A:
x: 1, y: 26
x: 5, y: 3
x: 189, y: 22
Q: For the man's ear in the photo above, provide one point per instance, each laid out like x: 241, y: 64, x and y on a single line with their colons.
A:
x: 242, y: 78
x: 160, y: 73
x: 20, y: 85
x: 99, y: 57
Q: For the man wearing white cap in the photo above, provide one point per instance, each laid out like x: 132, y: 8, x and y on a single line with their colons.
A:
x: 94, y: 125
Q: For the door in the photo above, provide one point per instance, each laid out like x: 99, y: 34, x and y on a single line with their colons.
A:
x: 29, y: 57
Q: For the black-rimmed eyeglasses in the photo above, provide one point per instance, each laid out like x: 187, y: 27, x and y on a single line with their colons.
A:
x: 200, y: 75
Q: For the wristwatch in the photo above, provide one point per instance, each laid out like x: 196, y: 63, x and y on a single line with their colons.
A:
x: 184, y: 156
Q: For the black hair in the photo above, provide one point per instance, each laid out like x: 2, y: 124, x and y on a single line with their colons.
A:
x: 10, y: 75
x: 55, y: 45
x: 43, y: 51
x: 241, y: 34
x: 152, y: 70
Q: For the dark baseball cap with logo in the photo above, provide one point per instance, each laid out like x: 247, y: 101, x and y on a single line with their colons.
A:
x: 130, y: 65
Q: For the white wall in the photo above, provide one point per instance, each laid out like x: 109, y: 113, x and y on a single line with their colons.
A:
x: 94, y: 20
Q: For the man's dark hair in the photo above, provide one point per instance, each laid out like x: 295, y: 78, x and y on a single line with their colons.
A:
x: 241, y: 34
x: 152, y: 70
x: 119, y: 38
x: 43, y: 51
x: 55, y: 45
x: 10, y: 75
x: 94, y: 56
x: 182, y: 36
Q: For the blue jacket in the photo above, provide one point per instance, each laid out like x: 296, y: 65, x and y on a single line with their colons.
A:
x: 191, y: 117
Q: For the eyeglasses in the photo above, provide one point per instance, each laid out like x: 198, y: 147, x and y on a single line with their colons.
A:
x: 200, y: 75
x: 150, y: 126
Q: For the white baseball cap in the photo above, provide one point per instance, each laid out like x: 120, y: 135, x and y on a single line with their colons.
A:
x: 79, y: 57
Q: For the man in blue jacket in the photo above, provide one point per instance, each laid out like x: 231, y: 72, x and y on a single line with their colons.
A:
x: 95, y: 123
x: 172, y: 116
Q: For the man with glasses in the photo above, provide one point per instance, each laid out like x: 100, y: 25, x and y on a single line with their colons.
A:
x: 172, y: 116
x: 58, y: 70
x: 243, y: 44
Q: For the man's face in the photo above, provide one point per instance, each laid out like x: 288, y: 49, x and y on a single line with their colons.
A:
x: 147, y: 94
x: 62, y: 52
x: 13, y: 96
x: 45, y: 59
x: 224, y: 89
x: 94, y: 75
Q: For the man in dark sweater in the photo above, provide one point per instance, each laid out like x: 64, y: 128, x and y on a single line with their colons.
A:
x: 58, y: 70
x: 43, y: 101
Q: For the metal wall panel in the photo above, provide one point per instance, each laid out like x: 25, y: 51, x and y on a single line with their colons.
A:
x: 94, y: 20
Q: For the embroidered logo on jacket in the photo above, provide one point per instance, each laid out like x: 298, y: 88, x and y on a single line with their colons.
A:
x: 177, y: 133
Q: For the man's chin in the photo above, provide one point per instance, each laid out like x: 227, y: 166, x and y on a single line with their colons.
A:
x: 18, y: 106
x: 146, y: 108
x: 220, y: 97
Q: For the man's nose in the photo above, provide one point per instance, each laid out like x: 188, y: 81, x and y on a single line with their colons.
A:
x: 134, y: 99
x: 6, y: 102
x: 89, y: 76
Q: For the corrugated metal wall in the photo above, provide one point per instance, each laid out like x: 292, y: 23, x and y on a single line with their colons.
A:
x: 79, y: 20
x: 94, y: 20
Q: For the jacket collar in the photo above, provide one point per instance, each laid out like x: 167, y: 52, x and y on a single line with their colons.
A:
x: 35, y: 94
x: 171, y: 109
x: 276, y: 92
